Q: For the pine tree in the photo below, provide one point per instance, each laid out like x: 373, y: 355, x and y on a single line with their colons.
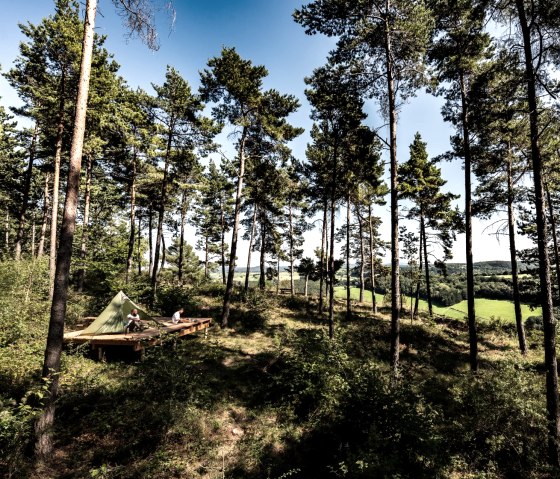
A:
x: 182, y: 130
x: 235, y: 86
x: 420, y: 181
x: 382, y: 44
x: 457, y: 55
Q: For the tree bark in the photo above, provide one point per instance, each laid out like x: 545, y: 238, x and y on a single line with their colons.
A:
x: 372, y: 261
x: 513, y: 256
x: 348, y: 296
x: 45, y: 220
x: 56, y: 184
x: 322, y: 258
x: 26, y: 191
x: 331, y: 254
x: 223, y: 241
x: 262, y: 276
x: 7, y: 235
x: 552, y: 220
x: 51, y: 366
x: 251, y: 239
x: 233, y: 253
x: 473, y: 341
x: 85, y: 225
x: 182, y: 237
x: 395, y: 267
x: 150, y: 239
x: 549, y: 322
x: 163, y: 252
x: 331, y: 268
x: 426, y: 262
x: 132, y: 214
x: 418, y: 283
x: 291, y: 251
x: 161, y: 209
x: 362, y: 253
x: 139, y: 255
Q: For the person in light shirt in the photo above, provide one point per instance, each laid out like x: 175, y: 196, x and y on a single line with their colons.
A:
x: 133, y: 321
x: 176, y: 318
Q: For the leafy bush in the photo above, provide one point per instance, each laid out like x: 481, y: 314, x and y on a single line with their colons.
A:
x: 170, y: 298
x: 498, y: 422
x: 16, y: 432
x: 255, y: 311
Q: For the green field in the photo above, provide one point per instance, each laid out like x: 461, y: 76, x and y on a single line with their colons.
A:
x: 486, y: 309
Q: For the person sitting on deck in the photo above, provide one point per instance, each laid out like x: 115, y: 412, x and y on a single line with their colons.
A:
x: 176, y: 318
x: 133, y: 322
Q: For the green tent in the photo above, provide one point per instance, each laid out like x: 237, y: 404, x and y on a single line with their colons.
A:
x: 113, y: 318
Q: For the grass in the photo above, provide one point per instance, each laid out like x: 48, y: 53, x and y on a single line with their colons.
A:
x: 486, y: 309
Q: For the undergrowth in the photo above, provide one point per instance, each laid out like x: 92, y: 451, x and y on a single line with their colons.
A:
x: 273, y: 397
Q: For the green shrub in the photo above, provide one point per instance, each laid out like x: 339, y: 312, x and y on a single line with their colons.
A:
x: 170, y: 298
x: 16, y: 432
x: 499, y: 421
x: 255, y: 311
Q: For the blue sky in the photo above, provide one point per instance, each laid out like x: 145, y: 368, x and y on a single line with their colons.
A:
x: 264, y: 32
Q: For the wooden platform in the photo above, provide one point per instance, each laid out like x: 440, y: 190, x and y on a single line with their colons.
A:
x: 138, y: 341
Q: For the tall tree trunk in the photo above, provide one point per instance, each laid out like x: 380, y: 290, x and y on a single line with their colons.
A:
x: 513, y: 256
x: 138, y: 253
x: 85, y: 225
x: 395, y: 267
x: 348, y: 296
x: 182, y: 236
x: 163, y: 252
x: 237, y: 214
x: 33, y: 235
x: 45, y: 220
x: 331, y: 254
x: 7, y: 236
x: 161, y: 209
x: 552, y: 220
x: 542, y: 242
x: 51, y: 366
x: 278, y: 275
x: 372, y: 260
x: 251, y: 239
x: 206, y: 257
x: 262, y: 257
x: 26, y: 191
x: 362, y: 253
x: 223, y: 242
x: 306, y: 285
x: 290, y: 217
x: 150, y: 239
x: 322, y: 258
x: 473, y: 341
x: 132, y: 215
x: 419, y: 282
x: 426, y: 262
x: 56, y: 184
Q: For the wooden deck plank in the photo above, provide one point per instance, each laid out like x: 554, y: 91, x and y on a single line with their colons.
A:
x: 141, y: 339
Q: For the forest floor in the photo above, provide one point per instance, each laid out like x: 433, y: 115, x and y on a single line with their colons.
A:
x: 272, y: 397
